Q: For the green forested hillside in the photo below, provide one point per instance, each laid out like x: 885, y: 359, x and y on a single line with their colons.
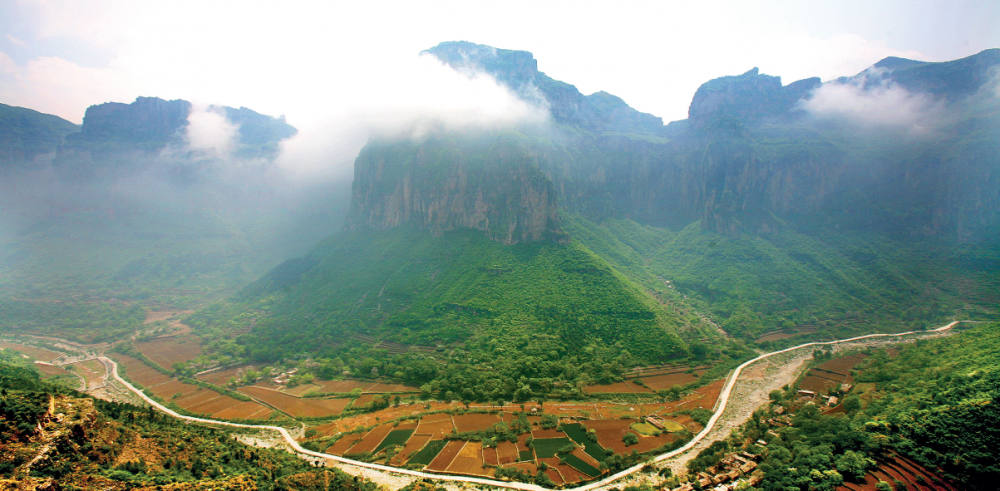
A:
x: 934, y: 403
x: 521, y: 319
x: 841, y: 283
x: 92, y: 444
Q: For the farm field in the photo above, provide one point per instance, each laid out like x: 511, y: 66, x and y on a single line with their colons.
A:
x: 547, y: 447
x: 428, y: 453
x: 188, y: 396
x: 447, y: 454
x: 40, y: 354
x: 221, y: 377
x: 904, y: 470
x: 617, y: 388
x: 52, y: 370
x: 668, y: 380
x: 395, y: 437
x: 92, y: 371
x: 831, y: 374
x: 474, y: 421
x: 343, y: 385
x: 384, y: 388
x: 469, y: 461
x: 167, y: 351
x: 371, y: 440
x: 294, y: 406
x: 413, y: 445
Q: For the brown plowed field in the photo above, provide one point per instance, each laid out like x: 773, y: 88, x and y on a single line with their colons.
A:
x: 343, y: 385
x: 570, y: 474
x: 365, y: 399
x: 647, y: 443
x: 139, y: 372
x: 469, y: 461
x: 300, y: 390
x: 666, y: 381
x: 200, y: 396
x: 490, y: 456
x: 842, y: 365
x: 610, y: 433
x: 371, y: 439
x: 448, y: 453
x: 40, y: 354
x: 617, y: 388
x: 167, y: 390
x: 437, y: 427
x: 553, y: 474
x: 547, y: 433
x: 506, y: 453
x: 413, y: 445
x: 245, y: 410
x: 294, y: 406
x: 474, y: 422
x: 340, y: 447
x: 221, y: 377
x: 392, y: 388
x: 522, y: 442
x: 167, y: 351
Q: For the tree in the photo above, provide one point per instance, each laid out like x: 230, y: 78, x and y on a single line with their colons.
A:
x: 883, y: 486
x: 630, y: 439
x: 854, y: 465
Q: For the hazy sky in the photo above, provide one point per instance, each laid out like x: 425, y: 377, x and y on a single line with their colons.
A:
x: 326, y: 64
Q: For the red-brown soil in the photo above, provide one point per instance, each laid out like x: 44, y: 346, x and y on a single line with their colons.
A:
x: 537, y: 432
x: 167, y: 351
x: 470, y: 461
x: 245, y: 410
x: 506, y: 453
x: 617, y: 388
x: 437, y: 425
x: 610, y: 433
x: 379, y: 388
x: 297, y: 407
x: 371, y: 439
x: 342, y: 385
x: 341, y: 446
x: 448, y: 453
x: 474, y: 422
x: 552, y: 472
x: 413, y: 445
x: 221, y: 377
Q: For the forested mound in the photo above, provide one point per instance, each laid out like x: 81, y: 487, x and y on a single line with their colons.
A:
x: 54, y: 438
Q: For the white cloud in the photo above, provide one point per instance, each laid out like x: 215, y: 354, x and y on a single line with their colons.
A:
x: 209, y: 130
x: 874, y: 99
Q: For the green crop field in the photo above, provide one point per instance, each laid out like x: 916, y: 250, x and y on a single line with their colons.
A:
x: 548, y: 447
x: 427, y: 454
x: 578, y: 464
x: 578, y: 433
x: 395, y: 437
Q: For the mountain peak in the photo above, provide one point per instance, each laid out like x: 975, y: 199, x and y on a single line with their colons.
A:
x: 518, y: 71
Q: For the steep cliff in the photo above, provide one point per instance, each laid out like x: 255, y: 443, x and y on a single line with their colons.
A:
x: 486, y: 183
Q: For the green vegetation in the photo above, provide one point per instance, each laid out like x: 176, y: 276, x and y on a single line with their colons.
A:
x: 29, y: 134
x: 549, y: 447
x: 580, y: 465
x: 95, y: 433
x: 579, y: 434
x: 533, y: 319
x: 395, y: 437
x: 425, y: 455
x: 935, y: 404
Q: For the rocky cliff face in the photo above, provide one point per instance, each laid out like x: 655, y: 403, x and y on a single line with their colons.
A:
x: 439, y: 185
x: 748, y: 159
x: 147, y: 120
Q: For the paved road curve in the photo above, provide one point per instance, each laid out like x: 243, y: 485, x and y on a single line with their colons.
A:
x: 720, y: 405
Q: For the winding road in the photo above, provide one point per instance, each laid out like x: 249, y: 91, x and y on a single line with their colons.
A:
x: 720, y: 408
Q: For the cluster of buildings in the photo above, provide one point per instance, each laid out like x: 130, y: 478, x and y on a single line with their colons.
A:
x: 727, y: 474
